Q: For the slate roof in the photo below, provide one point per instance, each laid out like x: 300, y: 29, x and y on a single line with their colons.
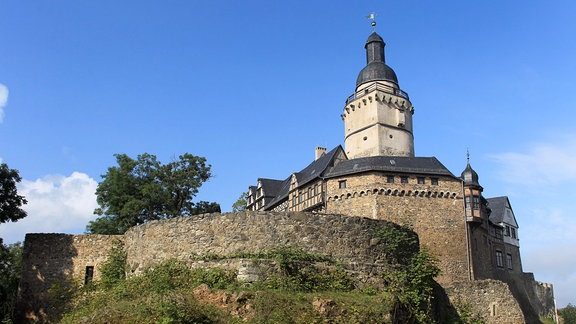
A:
x: 396, y: 164
x: 498, y: 207
x: 270, y: 187
x: 314, y: 170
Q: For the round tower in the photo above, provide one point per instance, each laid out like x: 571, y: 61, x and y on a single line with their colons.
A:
x: 378, y: 116
x: 474, y: 203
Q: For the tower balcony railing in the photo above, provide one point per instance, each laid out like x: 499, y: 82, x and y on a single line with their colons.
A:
x: 377, y: 86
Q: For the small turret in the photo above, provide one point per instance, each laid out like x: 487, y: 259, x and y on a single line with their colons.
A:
x: 474, y: 203
x: 469, y: 176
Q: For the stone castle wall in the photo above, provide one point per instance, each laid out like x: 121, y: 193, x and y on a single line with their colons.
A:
x: 491, y: 299
x: 49, y: 261
x: 435, y: 212
x: 348, y: 239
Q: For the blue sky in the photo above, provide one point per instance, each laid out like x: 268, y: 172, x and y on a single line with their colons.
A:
x: 254, y: 86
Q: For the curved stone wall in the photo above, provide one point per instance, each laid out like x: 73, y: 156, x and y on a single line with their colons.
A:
x: 348, y: 239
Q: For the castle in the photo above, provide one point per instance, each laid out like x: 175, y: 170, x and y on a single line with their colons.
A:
x: 332, y: 207
x: 377, y: 175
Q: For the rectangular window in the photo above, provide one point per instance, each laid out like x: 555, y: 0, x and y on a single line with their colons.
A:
x: 390, y: 179
x: 434, y: 181
x: 513, y: 232
x: 309, y: 193
x: 421, y: 180
x: 476, y: 201
x: 507, y: 230
x: 499, y: 261
x: 316, y: 189
x: 89, y: 275
x: 342, y: 184
x: 467, y: 202
x: 404, y: 179
x: 509, y: 261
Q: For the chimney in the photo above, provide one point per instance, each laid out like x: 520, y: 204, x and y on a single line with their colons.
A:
x: 319, y: 152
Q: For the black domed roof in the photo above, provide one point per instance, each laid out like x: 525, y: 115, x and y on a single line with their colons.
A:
x: 470, y: 176
x: 376, y: 68
x: 376, y: 71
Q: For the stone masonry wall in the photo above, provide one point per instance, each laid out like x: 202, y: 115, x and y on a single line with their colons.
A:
x: 348, y: 239
x: 491, y: 299
x: 50, y: 260
x: 435, y: 212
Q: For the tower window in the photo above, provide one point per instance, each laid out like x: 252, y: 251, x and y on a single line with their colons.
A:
x: 89, y: 275
x: 390, y: 179
x: 467, y: 202
x: 342, y: 184
x: 513, y: 230
x: 476, y: 201
x: 421, y: 180
x: 404, y: 179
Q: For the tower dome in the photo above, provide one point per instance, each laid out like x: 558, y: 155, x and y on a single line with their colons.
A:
x: 376, y: 68
x: 470, y: 176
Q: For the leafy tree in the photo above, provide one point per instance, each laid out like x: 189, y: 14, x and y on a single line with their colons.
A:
x: 205, y: 207
x: 568, y: 314
x: 143, y: 189
x: 10, y: 201
x: 240, y: 204
x: 10, y: 265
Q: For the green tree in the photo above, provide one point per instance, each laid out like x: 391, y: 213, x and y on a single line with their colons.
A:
x: 240, y: 204
x: 10, y: 266
x: 10, y: 202
x: 568, y: 313
x: 143, y: 189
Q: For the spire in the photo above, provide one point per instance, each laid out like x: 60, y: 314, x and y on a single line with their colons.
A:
x: 376, y: 68
x: 371, y: 16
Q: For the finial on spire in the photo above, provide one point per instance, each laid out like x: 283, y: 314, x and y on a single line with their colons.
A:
x: 468, y: 156
x: 372, y: 17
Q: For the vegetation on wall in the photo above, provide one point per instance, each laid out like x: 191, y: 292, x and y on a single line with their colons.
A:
x: 114, y: 269
x: 143, y: 189
x: 306, y: 287
x: 411, y: 283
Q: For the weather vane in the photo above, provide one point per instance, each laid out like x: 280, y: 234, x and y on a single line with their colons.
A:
x: 468, y: 155
x: 372, y: 16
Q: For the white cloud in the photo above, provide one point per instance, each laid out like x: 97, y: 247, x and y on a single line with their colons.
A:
x: 539, y: 181
x: 3, y: 100
x: 543, y: 163
x: 56, y: 204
